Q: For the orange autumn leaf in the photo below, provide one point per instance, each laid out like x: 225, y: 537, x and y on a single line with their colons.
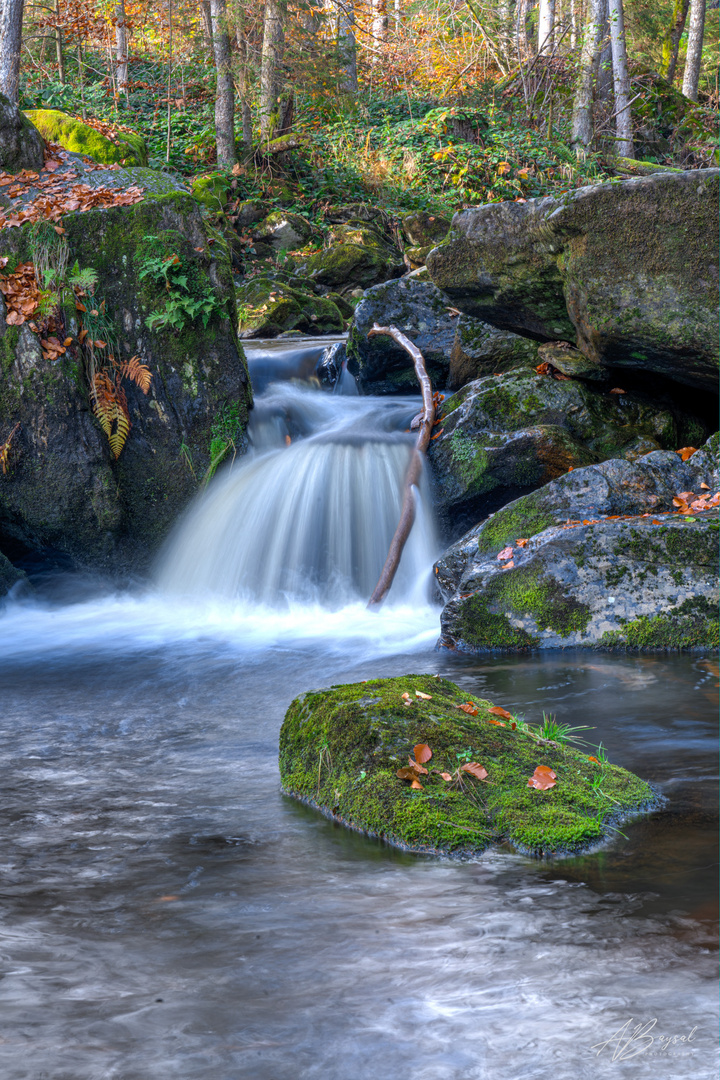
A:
x: 472, y: 767
x: 591, y: 758
x: 417, y: 766
x: 543, y: 778
x: 499, y: 723
x: 521, y: 543
x: 423, y: 697
x: 468, y: 708
x: 506, y: 553
x: 686, y: 452
x: 422, y: 752
x: 417, y: 785
x: 497, y: 710
x: 617, y: 390
x: 446, y: 776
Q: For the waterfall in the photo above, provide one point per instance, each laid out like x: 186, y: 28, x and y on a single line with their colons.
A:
x: 308, y: 514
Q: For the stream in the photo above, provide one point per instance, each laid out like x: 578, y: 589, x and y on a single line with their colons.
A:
x: 166, y: 912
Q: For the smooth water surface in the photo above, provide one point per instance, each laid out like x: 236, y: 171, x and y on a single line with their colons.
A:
x: 166, y: 911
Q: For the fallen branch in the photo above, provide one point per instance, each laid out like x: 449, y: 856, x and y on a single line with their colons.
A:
x: 412, y: 478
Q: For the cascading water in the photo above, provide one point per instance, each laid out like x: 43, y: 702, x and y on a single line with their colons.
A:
x: 308, y: 514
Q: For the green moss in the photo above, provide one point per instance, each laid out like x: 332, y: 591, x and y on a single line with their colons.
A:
x: 8, y: 345
x: 212, y: 191
x: 521, y: 519
x: 481, y: 628
x: 72, y: 134
x: 470, y: 462
x: 692, y: 624
x: 340, y: 750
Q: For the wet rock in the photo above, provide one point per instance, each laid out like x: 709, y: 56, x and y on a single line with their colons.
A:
x: 9, y: 575
x: 519, y: 430
x: 568, y: 360
x: 250, y: 212
x: 481, y: 349
x: 64, y: 490
x: 344, y: 267
x: 269, y: 307
x: 627, y: 271
x: 341, y: 750
x: 628, y: 569
x: 21, y: 144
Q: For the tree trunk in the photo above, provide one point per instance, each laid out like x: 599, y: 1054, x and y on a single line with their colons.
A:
x: 671, y: 42
x: 522, y: 38
x: 379, y: 21
x: 412, y: 478
x: 11, y: 17
x: 604, y: 83
x: 546, y: 26
x: 621, y: 81
x: 347, y: 45
x: 59, y: 46
x: 691, y: 76
x: 207, y: 25
x: 121, y: 48
x: 271, y: 69
x: 243, y: 87
x: 582, y: 121
x: 224, y: 94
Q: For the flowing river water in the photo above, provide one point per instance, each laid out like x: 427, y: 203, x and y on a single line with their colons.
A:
x: 166, y: 912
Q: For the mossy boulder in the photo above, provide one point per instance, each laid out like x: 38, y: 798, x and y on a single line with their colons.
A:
x: 212, y: 191
x: 341, y: 749
x: 650, y: 582
x: 588, y: 556
x: 481, y: 349
x: 125, y: 147
x: 282, y: 230
x: 64, y: 490
x: 21, y: 144
x: 269, y: 307
x: 519, y: 430
x: 344, y: 267
x: 626, y: 271
x: 423, y: 229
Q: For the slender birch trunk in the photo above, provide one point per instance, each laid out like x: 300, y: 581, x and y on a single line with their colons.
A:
x: 243, y: 88
x: 207, y: 25
x: 347, y: 45
x: 121, y: 48
x: 582, y: 121
x: 225, y: 92
x: 59, y: 46
x: 691, y: 76
x: 546, y: 26
x: 621, y: 81
x: 11, y: 17
x: 604, y: 82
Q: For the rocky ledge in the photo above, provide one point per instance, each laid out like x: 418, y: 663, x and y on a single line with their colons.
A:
x: 413, y: 762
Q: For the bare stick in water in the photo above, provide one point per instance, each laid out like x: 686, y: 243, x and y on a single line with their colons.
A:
x: 412, y: 479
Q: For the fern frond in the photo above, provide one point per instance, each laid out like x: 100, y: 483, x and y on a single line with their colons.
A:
x: 136, y: 372
x: 85, y: 279
x: 110, y: 408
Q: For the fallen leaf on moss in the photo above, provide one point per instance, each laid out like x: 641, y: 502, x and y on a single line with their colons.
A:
x: 422, y: 751
x: 475, y: 769
x: 543, y: 778
x: 468, y: 707
x: 506, y: 553
x: 417, y: 785
x: 497, y: 710
x: 425, y: 697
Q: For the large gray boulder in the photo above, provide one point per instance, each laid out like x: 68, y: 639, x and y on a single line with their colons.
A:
x: 502, y: 434
x: 628, y: 271
x: 455, y: 348
x: 21, y: 144
x: 599, y: 557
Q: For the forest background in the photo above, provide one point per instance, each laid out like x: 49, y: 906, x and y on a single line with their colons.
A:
x: 411, y: 104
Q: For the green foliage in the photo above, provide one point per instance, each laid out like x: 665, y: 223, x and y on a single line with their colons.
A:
x: 183, y: 302
x: 559, y: 733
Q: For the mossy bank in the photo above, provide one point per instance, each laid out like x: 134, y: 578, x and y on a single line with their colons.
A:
x: 341, y: 749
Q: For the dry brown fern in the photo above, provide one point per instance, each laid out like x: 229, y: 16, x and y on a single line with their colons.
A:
x: 5, y: 450
x: 136, y: 372
x: 110, y: 408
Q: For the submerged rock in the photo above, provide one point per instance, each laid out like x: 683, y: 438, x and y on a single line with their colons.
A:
x: 341, y: 750
x: 628, y: 271
x: 520, y: 430
x: 597, y: 557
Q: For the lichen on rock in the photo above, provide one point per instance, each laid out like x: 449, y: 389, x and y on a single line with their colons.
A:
x: 341, y: 749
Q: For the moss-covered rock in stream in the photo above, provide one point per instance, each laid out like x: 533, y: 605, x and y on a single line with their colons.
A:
x: 63, y: 489
x: 268, y: 307
x: 341, y: 749
x: 347, y: 266
x: 627, y: 271
x: 21, y: 144
x: 125, y: 147
x: 520, y: 430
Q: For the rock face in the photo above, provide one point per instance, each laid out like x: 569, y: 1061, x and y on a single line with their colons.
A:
x: 341, y: 750
x: 452, y: 346
x: 125, y: 147
x: 605, y: 559
x: 627, y: 271
x: 268, y: 308
x: 520, y: 430
x: 358, y: 255
x: 423, y: 231
x: 21, y: 144
x: 63, y: 489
